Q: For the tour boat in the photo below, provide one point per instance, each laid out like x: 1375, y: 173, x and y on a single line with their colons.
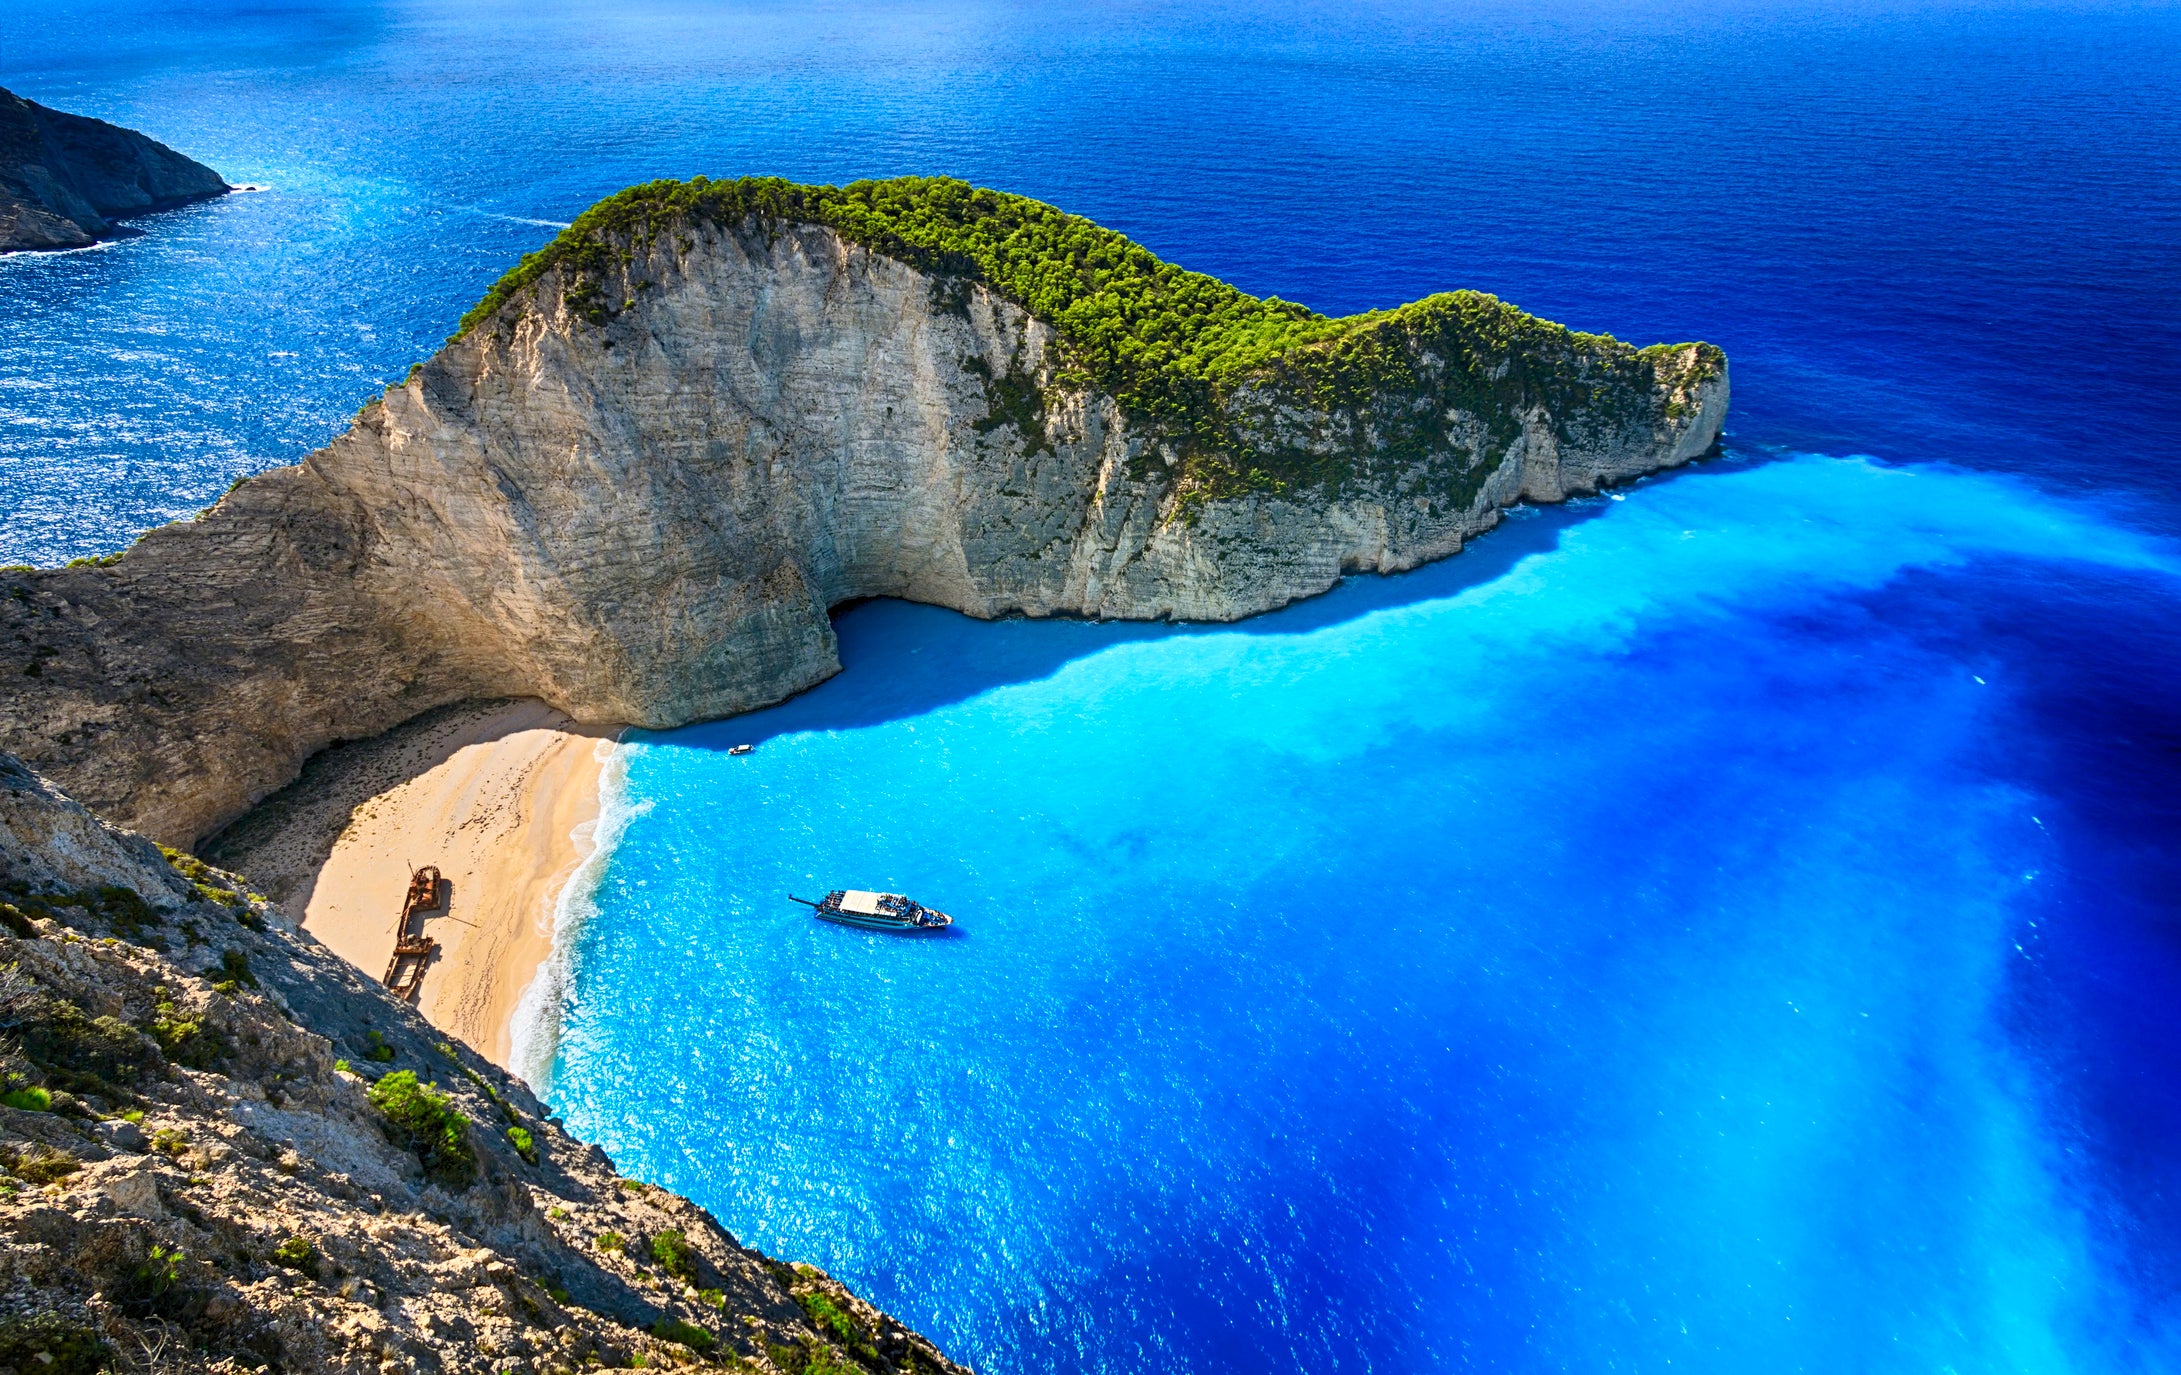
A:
x: 740, y: 749
x: 878, y: 911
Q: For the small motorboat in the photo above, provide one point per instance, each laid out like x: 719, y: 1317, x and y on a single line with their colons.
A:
x: 740, y: 749
x: 877, y: 911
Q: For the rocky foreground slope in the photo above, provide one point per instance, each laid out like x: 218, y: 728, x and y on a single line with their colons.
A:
x: 664, y: 447
x: 65, y: 178
x: 221, y: 1148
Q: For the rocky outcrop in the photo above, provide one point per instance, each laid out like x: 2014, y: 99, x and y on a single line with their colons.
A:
x: 65, y: 178
x: 635, y: 488
x: 220, y: 1149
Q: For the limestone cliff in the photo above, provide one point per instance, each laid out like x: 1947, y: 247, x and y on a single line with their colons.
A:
x: 64, y: 178
x: 636, y: 482
x: 221, y: 1150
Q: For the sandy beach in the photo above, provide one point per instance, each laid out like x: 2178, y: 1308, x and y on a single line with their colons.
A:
x: 500, y: 796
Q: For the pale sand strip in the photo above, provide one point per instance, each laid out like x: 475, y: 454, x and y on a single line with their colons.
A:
x: 493, y: 794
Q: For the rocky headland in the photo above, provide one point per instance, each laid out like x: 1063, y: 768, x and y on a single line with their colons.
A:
x: 662, y: 448
x: 65, y: 179
x: 628, y: 491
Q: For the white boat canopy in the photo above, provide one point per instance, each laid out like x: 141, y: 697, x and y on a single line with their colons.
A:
x: 861, y: 903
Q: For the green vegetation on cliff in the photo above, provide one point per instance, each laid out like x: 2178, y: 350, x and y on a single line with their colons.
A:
x: 1190, y: 358
x: 423, y: 1119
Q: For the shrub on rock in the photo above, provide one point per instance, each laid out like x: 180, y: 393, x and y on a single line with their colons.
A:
x: 675, y: 1255
x: 421, y: 1117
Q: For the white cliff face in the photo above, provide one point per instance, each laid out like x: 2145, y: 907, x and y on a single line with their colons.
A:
x: 645, y: 518
x: 651, y: 517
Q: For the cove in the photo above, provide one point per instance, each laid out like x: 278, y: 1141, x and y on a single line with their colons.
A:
x: 1645, y: 938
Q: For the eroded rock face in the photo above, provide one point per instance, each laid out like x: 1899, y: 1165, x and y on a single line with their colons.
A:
x: 639, y: 503
x: 194, y: 1160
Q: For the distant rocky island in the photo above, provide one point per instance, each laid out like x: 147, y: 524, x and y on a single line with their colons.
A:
x: 65, y: 179
x: 662, y: 448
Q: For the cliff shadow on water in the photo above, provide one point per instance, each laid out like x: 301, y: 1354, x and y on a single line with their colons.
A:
x: 901, y: 660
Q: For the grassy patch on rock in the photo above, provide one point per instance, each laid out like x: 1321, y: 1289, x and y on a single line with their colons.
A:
x: 296, y: 1253
x: 422, y: 1117
x: 675, y: 1255
x: 52, y: 1345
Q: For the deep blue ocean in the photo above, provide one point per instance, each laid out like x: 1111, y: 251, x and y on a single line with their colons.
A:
x: 1732, y: 925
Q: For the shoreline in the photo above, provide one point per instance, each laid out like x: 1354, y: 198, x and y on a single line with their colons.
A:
x: 533, y: 1027
x: 502, y: 796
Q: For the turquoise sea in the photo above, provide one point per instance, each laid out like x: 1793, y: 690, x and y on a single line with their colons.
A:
x: 1732, y: 924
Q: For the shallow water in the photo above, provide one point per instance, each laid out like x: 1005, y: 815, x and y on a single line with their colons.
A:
x: 1645, y: 943
x: 1729, y: 927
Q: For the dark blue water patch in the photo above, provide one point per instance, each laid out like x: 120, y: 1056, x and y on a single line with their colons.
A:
x: 2092, y: 725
